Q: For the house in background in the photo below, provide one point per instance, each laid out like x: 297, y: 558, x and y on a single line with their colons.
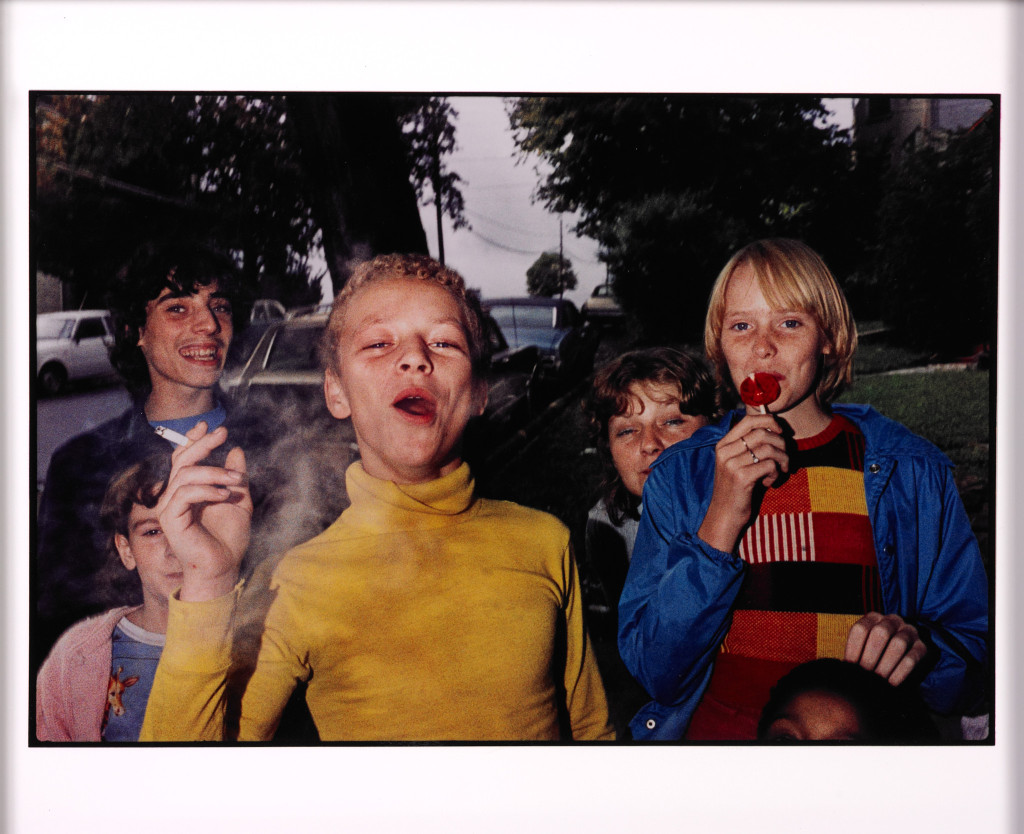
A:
x: 49, y: 293
x: 907, y: 122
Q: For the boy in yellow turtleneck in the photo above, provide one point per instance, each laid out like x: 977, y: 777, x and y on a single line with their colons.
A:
x: 423, y: 612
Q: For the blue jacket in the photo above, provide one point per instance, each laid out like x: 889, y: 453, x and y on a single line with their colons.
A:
x: 676, y: 606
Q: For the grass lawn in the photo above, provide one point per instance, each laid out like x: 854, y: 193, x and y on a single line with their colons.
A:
x: 949, y: 408
x: 877, y: 357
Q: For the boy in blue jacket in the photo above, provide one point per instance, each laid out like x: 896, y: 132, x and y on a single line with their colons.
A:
x: 796, y: 531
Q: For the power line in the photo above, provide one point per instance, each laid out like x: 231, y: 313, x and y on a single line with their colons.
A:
x: 535, y: 251
x: 495, y: 243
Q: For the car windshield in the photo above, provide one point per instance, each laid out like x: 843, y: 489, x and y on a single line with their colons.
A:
x: 295, y: 349
x: 524, y: 316
x: 53, y: 328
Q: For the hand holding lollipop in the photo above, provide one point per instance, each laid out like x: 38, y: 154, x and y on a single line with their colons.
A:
x: 760, y: 390
x: 752, y: 454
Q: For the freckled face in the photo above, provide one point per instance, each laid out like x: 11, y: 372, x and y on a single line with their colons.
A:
x: 816, y: 716
x: 652, y: 423
x: 788, y: 344
x: 186, y: 337
x: 146, y: 550
x: 406, y: 379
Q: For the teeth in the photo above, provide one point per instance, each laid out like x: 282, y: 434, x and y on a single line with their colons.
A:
x: 199, y: 353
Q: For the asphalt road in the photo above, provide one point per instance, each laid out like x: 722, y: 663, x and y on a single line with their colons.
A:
x: 61, y: 418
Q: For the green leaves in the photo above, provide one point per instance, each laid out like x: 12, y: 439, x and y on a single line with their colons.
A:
x: 669, y: 184
x: 550, y: 275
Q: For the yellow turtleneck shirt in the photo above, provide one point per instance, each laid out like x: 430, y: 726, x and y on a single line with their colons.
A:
x: 421, y: 613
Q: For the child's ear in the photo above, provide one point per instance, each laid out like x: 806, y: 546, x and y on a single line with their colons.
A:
x: 481, y: 395
x: 124, y: 550
x: 334, y: 394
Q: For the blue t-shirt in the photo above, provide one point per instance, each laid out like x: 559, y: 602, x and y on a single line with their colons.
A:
x: 181, y: 425
x: 135, y: 655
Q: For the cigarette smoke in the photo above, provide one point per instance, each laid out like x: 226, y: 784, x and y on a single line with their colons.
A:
x: 296, y: 456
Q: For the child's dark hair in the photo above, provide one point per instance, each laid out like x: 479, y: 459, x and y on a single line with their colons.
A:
x: 610, y: 396
x: 182, y: 264
x: 886, y: 713
x: 141, y: 483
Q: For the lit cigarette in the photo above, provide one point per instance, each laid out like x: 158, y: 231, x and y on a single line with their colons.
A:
x: 173, y: 436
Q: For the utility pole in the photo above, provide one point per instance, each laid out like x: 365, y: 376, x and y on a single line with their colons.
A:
x: 437, y: 203
x: 433, y: 130
x: 561, y: 261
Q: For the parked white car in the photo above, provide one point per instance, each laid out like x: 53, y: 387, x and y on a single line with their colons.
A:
x: 72, y: 345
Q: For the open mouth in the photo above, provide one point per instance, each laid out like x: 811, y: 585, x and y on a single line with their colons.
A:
x: 201, y: 353
x: 417, y: 404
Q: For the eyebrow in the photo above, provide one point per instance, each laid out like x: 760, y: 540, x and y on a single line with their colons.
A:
x: 142, y: 522
x: 747, y: 313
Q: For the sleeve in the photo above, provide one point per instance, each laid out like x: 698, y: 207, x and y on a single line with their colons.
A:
x: 949, y: 598
x: 586, y: 701
x: 188, y: 699
x: 278, y: 668
x: 70, y: 546
x: 51, y: 716
x: 675, y: 607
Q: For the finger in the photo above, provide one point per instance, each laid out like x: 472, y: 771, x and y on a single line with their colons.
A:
x: 201, y: 443
x: 200, y: 475
x: 186, y: 497
x: 236, y: 460
x: 764, y: 437
x: 858, y: 636
x: 898, y: 646
x: 765, y: 422
x: 198, y: 430
x: 910, y: 660
x: 881, y: 629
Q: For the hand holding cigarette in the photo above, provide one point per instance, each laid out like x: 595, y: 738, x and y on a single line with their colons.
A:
x: 206, y: 513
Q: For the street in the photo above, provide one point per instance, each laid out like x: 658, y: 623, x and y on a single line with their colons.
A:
x: 60, y: 418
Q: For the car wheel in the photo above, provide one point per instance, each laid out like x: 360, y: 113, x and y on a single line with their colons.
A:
x: 52, y: 379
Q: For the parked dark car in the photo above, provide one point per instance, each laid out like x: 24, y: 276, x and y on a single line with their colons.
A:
x: 283, y: 377
x: 567, y: 344
x: 265, y: 312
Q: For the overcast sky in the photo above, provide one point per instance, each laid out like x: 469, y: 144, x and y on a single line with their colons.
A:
x: 509, y: 231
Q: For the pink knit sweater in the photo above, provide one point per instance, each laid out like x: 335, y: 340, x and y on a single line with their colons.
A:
x: 71, y: 688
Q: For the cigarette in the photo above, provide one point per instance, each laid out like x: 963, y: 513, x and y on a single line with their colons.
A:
x: 173, y: 436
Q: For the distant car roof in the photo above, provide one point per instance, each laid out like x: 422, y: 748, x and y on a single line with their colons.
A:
x: 308, y: 320
x: 526, y: 301
x: 73, y: 314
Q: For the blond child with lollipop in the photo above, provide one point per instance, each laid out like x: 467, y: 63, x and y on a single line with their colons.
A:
x: 795, y: 529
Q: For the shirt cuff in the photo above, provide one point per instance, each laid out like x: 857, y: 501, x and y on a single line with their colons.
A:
x: 199, y: 634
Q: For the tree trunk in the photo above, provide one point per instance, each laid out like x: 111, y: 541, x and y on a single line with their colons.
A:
x: 357, y: 178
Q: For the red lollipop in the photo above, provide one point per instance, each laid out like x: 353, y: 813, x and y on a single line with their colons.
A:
x: 760, y: 390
